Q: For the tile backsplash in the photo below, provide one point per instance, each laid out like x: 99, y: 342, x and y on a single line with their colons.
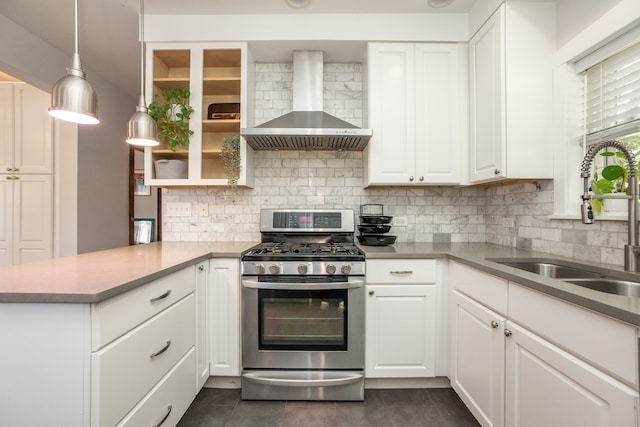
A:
x: 511, y: 215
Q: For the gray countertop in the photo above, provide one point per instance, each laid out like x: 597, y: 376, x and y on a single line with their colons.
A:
x: 479, y: 256
x: 96, y: 276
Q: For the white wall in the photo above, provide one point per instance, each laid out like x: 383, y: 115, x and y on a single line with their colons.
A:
x: 573, y: 16
x: 102, y: 180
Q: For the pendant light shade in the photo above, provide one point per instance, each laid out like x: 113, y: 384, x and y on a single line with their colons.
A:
x: 142, y: 129
x: 72, y: 98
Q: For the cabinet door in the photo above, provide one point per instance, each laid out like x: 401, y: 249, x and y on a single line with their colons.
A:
x: 202, y: 324
x: 391, y: 150
x: 487, y: 95
x: 224, y: 317
x: 477, y: 358
x: 548, y: 387
x: 439, y: 125
x: 6, y: 220
x: 400, y: 331
x: 6, y: 127
x: 32, y: 218
x: 33, y: 131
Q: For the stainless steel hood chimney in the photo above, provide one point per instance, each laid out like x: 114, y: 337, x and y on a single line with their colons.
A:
x: 307, y: 127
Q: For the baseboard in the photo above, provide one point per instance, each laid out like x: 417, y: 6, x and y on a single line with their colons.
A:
x: 223, y: 382
x: 438, y: 382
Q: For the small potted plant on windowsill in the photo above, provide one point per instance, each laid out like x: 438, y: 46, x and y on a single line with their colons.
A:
x: 612, y: 179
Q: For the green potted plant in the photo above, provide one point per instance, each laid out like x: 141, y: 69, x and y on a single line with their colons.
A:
x: 172, y: 112
x: 613, y: 178
x: 230, y: 154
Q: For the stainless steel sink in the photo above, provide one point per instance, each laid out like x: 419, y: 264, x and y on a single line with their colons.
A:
x: 549, y: 269
x: 610, y: 286
x: 568, y: 272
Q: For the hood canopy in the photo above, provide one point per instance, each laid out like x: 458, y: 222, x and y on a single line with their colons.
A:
x: 307, y: 127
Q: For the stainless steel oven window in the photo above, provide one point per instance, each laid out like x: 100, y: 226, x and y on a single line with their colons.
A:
x: 304, y: 320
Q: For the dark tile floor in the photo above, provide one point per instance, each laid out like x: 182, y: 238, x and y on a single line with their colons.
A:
x: 434, y: 407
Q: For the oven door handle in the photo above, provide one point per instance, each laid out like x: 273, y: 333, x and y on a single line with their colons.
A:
x: 303, y: 286
x: 271, y: 379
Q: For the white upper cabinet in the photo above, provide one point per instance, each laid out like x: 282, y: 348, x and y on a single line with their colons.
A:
x: 417, y: 111
x: 510, y: 74
x: 25, y: 130
x: 215, y: 73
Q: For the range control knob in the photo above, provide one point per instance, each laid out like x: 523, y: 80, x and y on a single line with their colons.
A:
x: 331, y: 269
x: 274, y: 269
x: 258, y: 268
x: 302, y: 269
x: 345, y: 269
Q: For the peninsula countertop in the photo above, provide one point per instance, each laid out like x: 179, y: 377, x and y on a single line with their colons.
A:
x: 96, y: 276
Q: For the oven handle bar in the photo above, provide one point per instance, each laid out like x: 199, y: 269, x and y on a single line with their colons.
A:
x: 254, y: 284
x: 303, y: 381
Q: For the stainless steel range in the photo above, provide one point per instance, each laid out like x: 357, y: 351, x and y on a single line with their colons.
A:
x: 303, y: 308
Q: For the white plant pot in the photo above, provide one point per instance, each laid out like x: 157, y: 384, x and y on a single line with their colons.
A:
x: 616, y: 205
x: 171, y: 169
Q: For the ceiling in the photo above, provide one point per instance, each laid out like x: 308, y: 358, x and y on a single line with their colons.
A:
x: 109, y: 28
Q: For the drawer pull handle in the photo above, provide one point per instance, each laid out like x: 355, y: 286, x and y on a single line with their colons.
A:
x: 401, y: 273
x: 162, y: 350
x: 494, y: 324
x: 163, y: 296
x: 169, y: 408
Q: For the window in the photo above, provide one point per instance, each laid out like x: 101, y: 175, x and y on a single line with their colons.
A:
x: 612, y: 97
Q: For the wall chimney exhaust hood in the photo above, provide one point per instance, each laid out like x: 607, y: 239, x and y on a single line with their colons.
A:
x: 307, y: 127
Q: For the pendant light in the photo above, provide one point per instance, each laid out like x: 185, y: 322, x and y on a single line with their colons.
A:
x: 142, y: 129
x: 72, y: 98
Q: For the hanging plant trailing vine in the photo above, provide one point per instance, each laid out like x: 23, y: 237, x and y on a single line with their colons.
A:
x: 231, y: 160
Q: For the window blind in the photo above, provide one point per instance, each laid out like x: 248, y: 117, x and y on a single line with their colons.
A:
x: 612, y: 96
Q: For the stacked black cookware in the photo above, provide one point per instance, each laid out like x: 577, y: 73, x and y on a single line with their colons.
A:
x: 374, y: 226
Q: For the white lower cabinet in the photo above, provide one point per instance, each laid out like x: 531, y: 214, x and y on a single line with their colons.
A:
x: 546, y: 386
x: 224, y: 317
x: 520, y: 358
x: 122, y: 361
x: 202, y: 324
x: 400, y: 319
x: 477, y: 358
x: 400, y: 324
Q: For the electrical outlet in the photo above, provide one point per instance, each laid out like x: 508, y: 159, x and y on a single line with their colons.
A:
x: 400, y: 221
x: 203, y: 209
x: 178, y: 209
x: 508, y: 222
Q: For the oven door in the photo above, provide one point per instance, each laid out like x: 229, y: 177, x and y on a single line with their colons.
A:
x: 316, y: 326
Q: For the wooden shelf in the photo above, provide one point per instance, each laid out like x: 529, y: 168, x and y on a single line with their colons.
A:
x: 232, y: 125
x: 170, y: 83
x: 221, y: 86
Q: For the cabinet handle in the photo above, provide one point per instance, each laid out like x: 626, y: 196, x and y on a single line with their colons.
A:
x: 507, y: 333
x: 16, y: 169
x: 371, y: 292
x: 401, y: 273
x: 421, y: 178
x: 497, y: 171
x: 169, y: 408
x: 494, y: 324
x: 159, y: 352
x: 163, y: 296
x: 15, y: 178
x: 411, y: 178
x: 9, y: 178
x: 201, y: 267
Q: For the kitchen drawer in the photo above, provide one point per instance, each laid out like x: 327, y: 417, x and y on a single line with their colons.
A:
x: 600, y: 340
x: 125, y: 370
x: 116, y: 316
x: 401, y: 271
x: 170, y: 398
x: 482, y: 287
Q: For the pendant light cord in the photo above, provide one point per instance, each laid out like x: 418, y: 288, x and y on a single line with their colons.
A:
x: 141, y: 28
x: 77, y: 30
